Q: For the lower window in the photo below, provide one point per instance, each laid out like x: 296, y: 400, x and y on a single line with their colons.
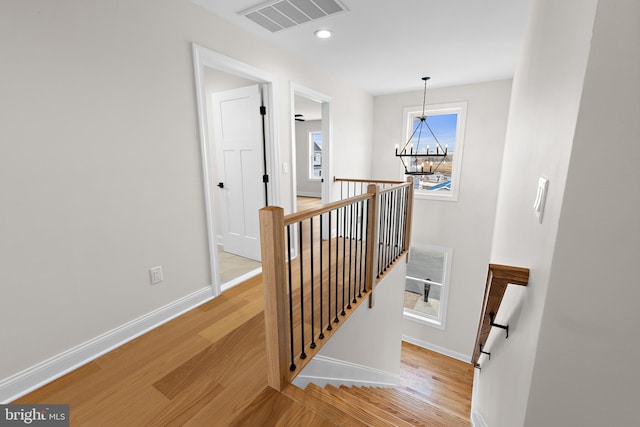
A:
x: 427, y: 284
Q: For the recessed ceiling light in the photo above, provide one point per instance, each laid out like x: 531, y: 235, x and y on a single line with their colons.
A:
x: 323, y: 34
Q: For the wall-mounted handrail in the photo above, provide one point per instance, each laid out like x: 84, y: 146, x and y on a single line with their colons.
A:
x: 498, y: 278
x: 310, y: 294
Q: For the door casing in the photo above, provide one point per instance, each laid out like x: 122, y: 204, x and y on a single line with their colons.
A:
x: 204, y: 57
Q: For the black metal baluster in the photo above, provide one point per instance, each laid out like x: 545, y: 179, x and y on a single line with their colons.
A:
x: 292, y: 367
x: 403, y: 217
x: 402, y: 220
x: 336, y: 320
x: 361, y: 240
x: 329, y: 327
x: 405, y: 244
x: 345, y: 255
x: 303, y: 355
x: 356, y: 259
x: 321, y: 336
x: 352, y: 242
x: 313, y: 303
x: 394, y: 238
x: 389, y: 230
x: 366, y: 247
x: 380, y: 235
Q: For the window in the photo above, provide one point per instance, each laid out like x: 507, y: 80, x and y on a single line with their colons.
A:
x: 315, y: 155
x: 447, y: 123
x: 427, y: 284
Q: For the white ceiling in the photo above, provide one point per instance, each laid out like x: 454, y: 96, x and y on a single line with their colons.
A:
x: 386, y: 46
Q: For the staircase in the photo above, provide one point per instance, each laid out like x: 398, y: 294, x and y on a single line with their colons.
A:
x: 346, y: 406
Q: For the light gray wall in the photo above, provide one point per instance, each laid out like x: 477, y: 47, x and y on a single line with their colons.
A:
x: 465, y: 225
x: 304, y: 185
x: 546, y: 93
x: 373, y: 337
x: 100, y: 165
x: 585, y: 372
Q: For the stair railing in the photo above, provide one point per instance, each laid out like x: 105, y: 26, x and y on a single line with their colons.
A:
x: 498, y: 278
x: 311, y: 292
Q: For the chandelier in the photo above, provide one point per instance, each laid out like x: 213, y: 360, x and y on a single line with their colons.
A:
x: 418, y: 158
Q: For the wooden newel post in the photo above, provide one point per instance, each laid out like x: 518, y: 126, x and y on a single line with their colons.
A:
x: 275, y: 295
x: 409, y: 213
x: 372, y: 237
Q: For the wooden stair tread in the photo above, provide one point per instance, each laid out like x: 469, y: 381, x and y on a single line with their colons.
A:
x: 355, y: 410
x: 446, y: 405
x: 379, y: 407
x: 405, y: 402
x: 322, y: 407
x: 271, y: 408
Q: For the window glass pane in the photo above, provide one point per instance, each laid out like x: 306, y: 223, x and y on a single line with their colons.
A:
x: 444, y: 128
x: 422, y: 297
x: 315, y: 155
x: 426, y: 264
x: 425, y: 280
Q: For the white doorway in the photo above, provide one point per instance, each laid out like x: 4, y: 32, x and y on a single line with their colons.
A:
x: 230, y: 160
x: 312, y: 114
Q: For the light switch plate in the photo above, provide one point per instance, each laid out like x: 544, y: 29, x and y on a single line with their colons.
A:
x: 156, y: 275
x: 541, y: 197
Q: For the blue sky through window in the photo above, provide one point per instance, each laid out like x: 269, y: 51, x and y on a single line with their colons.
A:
x: 443, y: 126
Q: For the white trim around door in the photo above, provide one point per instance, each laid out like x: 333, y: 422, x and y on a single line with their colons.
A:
x: 204, y: 57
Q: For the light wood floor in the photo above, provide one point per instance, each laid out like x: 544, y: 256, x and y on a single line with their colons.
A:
x: 207, y: 366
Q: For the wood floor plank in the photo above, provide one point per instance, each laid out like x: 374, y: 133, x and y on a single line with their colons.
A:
x: 355, y: 410
x: 365, y: 402
x: 233, y: 320
x: 265, y: 410
x: 437, y: 379
x: 323, y: 407
x: 208, y: 366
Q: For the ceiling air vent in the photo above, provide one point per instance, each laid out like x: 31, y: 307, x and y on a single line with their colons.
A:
x: 278, y: 15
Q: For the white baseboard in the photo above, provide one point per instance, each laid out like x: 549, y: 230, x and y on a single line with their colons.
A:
x: 308, y: 194
x: 477, y: 420
x: 44, y: 372
x: 240, y: 279
x: 463, y: 357
x: 324, y: 370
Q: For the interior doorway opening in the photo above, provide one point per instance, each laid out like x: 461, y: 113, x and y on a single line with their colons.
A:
x: 237, y: 132
x: 310, y: 147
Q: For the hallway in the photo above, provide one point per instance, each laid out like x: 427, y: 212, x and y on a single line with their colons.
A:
x: 206, y: 366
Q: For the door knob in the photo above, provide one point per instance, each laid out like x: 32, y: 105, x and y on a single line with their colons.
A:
x: 221, y: 184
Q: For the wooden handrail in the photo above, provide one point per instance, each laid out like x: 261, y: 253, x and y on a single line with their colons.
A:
x: 366, y: 181
x: 310, y: 213
x: 498, y: 277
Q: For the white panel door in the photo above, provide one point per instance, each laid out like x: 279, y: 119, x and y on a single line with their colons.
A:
x: 239, y: 157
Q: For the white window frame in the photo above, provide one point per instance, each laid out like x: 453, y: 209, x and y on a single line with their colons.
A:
x: 459, y: 108
x: 312, y: 154
x: 438, y: 322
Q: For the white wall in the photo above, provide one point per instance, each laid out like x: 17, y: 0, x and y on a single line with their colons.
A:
x: 371, y: 337
x: 585, y: 372
x: 100, y: 166
x: 546, y: 94
x: 465, y: 225
x: 304, y: 185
